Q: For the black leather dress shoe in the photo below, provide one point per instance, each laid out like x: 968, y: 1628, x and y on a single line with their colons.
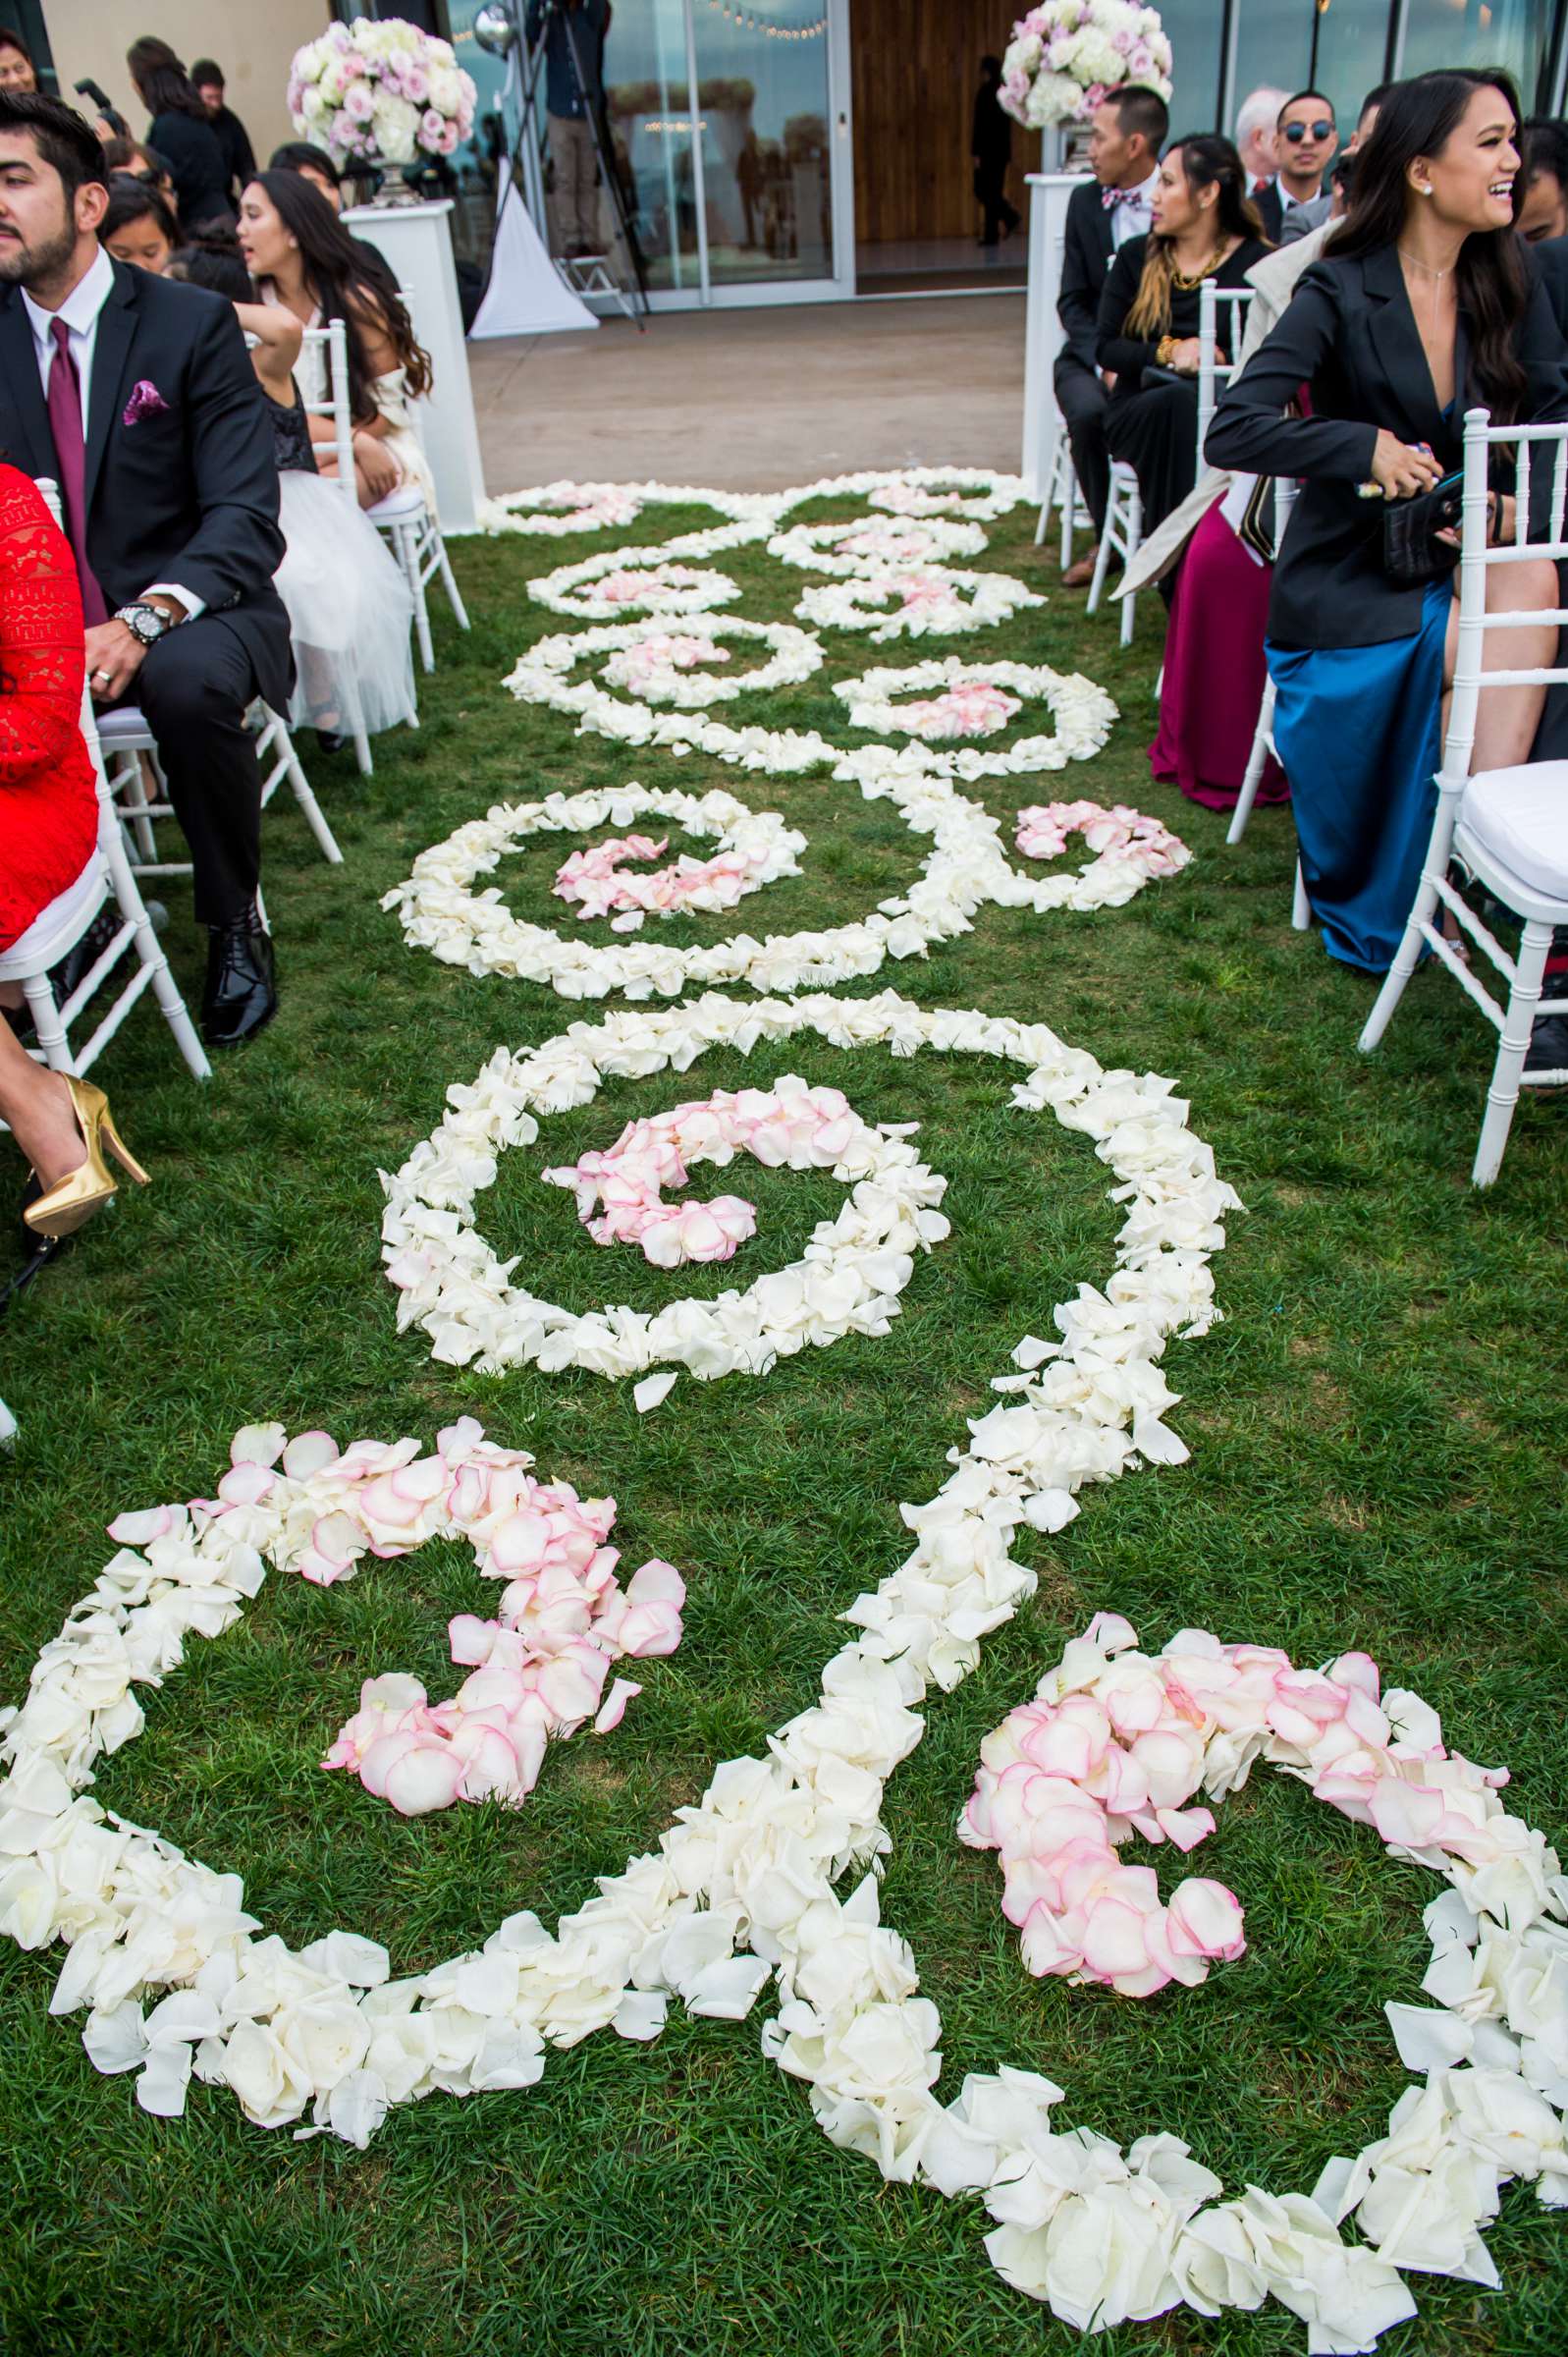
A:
x: 241, y: 992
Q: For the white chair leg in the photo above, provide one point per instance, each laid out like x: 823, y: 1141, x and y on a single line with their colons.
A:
x: 133, y: 802
x: 361, y: 752
x: 1406, y: 959
x: 407, y: 541
x: 1134, y: 541
x: 1070, y: 516
x: 448, y: 583
x: 1256, y: 761
x: 149, y: 952
x: 1299, y: 905
x: 1102, y: 561
x: 47, y: 1024
x: 8, y: 1425
x: 1503, y: 1093
x: 315, y: 817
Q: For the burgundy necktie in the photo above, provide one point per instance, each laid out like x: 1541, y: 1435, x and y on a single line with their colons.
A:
x: 71, y: 450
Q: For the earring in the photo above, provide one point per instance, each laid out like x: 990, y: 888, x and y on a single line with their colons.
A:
x: 1425, y: 189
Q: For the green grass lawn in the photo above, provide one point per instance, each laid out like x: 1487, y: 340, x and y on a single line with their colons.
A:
x: 1377, y: 1435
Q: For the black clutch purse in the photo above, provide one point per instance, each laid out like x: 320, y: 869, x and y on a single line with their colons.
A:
x: 1411, y: 552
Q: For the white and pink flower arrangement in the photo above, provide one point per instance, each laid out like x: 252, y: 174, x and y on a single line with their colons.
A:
x: 385, y: 91
x: 1066, y: 55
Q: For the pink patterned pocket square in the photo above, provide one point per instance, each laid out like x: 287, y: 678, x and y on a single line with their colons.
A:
x: 145, y: 402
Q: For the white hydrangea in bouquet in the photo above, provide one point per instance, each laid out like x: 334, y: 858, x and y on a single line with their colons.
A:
x: 1065, y: 56
x: 385, y: 91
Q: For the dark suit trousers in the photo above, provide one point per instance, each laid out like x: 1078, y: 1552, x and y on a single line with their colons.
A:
x: 196, y: 687
x: 1082, y: 400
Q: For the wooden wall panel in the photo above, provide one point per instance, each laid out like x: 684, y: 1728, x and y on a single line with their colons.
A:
x: 916, y: 68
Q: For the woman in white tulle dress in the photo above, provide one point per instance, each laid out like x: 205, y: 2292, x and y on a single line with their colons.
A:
x: 302, y: 258
x: 350, y: 612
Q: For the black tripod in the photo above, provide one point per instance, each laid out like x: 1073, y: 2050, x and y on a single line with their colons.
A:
x: 594, y: 116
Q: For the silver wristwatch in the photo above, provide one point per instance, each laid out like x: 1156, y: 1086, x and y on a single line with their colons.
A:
x: 148, y: 623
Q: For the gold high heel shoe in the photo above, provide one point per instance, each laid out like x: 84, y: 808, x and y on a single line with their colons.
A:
x: 71, y: 1202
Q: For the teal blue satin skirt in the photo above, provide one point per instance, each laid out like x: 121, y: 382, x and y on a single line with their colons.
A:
x: 1359, y: 735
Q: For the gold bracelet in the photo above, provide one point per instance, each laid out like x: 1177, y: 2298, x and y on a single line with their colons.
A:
x: 1163, y: 349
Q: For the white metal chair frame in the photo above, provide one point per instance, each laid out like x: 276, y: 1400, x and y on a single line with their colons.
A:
x: 125, y: 736
x: 404, y: 514
x: 1063, y: 493
x: 1121, y: 536
x: 1213, y: 372
x: 1452, y: 839
x: 1262, y: 736
x: 134, y: 938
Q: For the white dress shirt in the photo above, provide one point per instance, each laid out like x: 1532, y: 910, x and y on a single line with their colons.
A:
x: 80, y: 311
x: 1130, y: 216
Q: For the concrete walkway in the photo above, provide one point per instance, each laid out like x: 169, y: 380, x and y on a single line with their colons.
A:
x: 757, y: 400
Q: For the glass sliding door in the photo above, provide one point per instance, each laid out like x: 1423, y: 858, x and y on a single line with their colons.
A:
x: 763, y: 90
x: 648, y: 94
x: 722, y: 122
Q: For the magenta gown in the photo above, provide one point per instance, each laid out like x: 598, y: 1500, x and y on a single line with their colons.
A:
x: 1215, y: 672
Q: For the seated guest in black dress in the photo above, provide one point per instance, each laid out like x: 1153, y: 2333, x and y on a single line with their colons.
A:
x: 181, y: 133
x: 1205, y: 227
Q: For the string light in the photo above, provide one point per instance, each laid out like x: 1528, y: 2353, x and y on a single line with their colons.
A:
x: 747, y: 20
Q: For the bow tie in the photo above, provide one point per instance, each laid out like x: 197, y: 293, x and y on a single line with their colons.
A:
x: 1111, y: 197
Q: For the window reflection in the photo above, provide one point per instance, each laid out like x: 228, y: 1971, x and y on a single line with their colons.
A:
x: 1511, y: 33
x: 1196, y: 28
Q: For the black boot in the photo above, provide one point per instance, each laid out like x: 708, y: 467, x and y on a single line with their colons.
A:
x: 241, y: 992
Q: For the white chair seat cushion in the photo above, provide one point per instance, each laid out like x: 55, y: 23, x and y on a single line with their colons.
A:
x: 401, y: 505
x: 1519, y: 817
x: 125, y: 728
x: 59, y: 926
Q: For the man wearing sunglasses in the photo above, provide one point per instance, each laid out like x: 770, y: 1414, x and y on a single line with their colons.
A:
x: 1307, y: 141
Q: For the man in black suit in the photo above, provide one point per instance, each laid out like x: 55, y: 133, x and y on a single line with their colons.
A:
x: 137, y: 394
x: 1129, y: 130
x: 1308, y: 137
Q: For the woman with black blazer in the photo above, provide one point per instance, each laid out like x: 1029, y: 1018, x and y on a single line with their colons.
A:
x: 1422, y: 306
x: 1203, y: 227
x: 181, y: 132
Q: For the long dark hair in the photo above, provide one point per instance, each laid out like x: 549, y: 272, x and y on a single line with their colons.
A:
x: 165, y: 87
x: 1209, y: 161
x: 348, y: 283
x: 1419, y: 118
x: 213, y: 260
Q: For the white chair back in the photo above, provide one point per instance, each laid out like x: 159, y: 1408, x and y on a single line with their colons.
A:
x: 332, y: 342
x: 1222, y: 325
x: 1477, y: 559
x: 1504, y: 828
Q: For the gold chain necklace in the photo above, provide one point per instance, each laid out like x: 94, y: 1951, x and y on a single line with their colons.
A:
x: 1185, y: 281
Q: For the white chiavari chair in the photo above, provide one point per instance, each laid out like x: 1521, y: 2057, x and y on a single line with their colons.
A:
x: 1507, y: 828
x: 130, y: 958
x: 404, y: 516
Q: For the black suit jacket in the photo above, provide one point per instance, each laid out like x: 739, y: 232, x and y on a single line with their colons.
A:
x: 1270, y: 210
x: 188, y: 493
x: 1351, y: 336
x: 193, y: 153
x: 1086, y: 256
x: 1550, y: 260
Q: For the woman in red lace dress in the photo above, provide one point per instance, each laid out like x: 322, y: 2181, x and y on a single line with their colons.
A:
x: 48, y: 832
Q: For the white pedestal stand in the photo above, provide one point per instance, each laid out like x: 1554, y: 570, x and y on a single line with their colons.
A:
x: 1048, y: 192
x: 416, y: 240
